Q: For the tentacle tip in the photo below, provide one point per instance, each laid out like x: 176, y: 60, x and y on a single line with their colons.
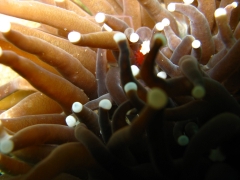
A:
x: 171, y: 7
x: 119, y: 37
x: 198, y: 92
x: 165, y: 22
x: 6, y: 146
x: 71, y: 121
x: 220, y: 12
x: 5, y: 26
x: 74, y: 37
x: 183, y: 140
x: 196, y: 44
x: 186, y: 58
x: 188, y: 1
x: 135, y: 70
x: 107, y: 28
x: 159, y: 26
x: 134, y: 37
x: 159, y: 36
x: 130, y: 86
x: 162, y: 74
x: 216, y: 155
x: 157, y: 98
x: 77, y: 107
x: 100, y: 17
x: 235, y: 4
x: 105, y: 104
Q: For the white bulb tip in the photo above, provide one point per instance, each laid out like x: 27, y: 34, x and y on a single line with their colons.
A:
x: 166, y: 22
x: 220, y: 12
x: 198, y: 92
x: 171, y: 7
x: 234, y: 4
x: 6, y: 146
x: 130, y: 86
x: 71, y: 121
x: 188, y: 1
x: 100, y: 17
x: 74, y: 37
x: 196, y: 44
x: 107, y: 28
x: 135, y: 70
x: 5, y: 26
x: 105, y: 104
x: 157, y: 98
x: 1, y: 51
x: 159, y: 26
x: 162, y: 74
x: 183, y: 140
x: 77, y: 107
x: 134, y: 37
x: 119, y: 37
x: 145, y: 47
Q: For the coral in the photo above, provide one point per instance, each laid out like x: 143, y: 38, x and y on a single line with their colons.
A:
x: 90, y: 100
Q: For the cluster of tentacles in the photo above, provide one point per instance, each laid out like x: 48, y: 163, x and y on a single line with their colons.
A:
x: 79, y: 110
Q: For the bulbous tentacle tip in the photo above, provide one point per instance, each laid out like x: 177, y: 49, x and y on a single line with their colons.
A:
x: 135, y: 70
x: 166, y: 22
x: 185, y: 59
x: 162, y: 74
x: 220, y: 12
x: 5, y: 26
x: 188, y: 1
x: 161, y: 37
x: 105, y: 104
x: 159, y: 26
x: 6, y: 146
x: 71, y: 121
x: 157, y: 98
x: 131, y: 86
x: 77, y: 107
x: 198, y: 92
x: 171, y: 7
x: 119, y: 37
x: 183, y: 140
x: 100, y: 17
x: 74, y: 37
x: 196, y: 44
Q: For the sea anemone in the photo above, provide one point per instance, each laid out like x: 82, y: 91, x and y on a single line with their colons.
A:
x: 120, y: 89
